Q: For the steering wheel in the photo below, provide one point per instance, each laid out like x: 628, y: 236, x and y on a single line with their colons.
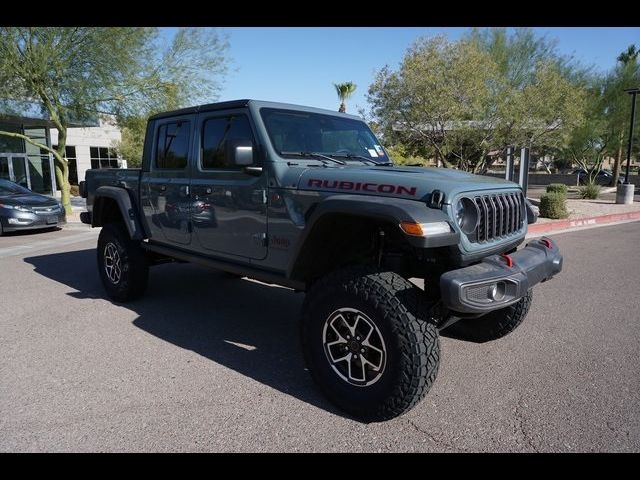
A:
x: 344, y: 150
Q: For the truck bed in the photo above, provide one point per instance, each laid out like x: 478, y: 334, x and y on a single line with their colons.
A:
x: 128, y: 178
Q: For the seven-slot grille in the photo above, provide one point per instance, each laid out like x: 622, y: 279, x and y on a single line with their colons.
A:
x: 500, y: 215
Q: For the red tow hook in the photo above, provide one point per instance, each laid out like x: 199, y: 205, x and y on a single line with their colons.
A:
x: 508, y: 259
x: 547, y: 242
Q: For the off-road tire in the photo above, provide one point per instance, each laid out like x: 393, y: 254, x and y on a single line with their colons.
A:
x: 134, y: 266
x: 397, y: 309
x: 493, y: 325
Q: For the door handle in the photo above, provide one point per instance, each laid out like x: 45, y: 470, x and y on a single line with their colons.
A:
x: 208, y: 190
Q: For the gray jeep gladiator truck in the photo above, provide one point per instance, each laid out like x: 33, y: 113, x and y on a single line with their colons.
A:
x: 309, y: 199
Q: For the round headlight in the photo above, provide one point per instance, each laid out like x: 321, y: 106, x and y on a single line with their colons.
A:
x: 467, y: 215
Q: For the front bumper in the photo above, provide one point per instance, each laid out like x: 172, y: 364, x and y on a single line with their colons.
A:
x: 15, y: 220
x: 500, y: 280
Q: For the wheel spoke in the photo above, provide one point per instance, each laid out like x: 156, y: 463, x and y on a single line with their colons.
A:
x: 347, y: 357
x: 336, y: 330
x: 374, y: 366
x: 343, y: 335
x: 368, y: 345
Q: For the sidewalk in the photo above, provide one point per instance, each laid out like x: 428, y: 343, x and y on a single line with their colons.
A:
x: 585, y: 213
x: 78, y: 205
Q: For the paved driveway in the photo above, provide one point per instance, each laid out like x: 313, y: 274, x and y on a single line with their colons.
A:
x: 207, y: 362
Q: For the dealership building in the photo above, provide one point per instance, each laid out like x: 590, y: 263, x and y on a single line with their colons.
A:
x: 89, y: 145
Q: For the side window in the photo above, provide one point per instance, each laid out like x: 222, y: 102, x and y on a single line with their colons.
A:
x: 220, y: 136
x: 172, y: 148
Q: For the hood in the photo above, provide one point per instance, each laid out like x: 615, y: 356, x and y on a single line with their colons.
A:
x: 28, y: 200
x: 402, y: 182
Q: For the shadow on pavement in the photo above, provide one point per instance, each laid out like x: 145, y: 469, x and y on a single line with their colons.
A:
x: 246, y: 326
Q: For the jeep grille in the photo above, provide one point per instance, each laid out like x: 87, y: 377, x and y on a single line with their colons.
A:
x: 500, y: 215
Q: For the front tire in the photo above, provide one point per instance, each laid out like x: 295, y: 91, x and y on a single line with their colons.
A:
x: 122, y: 263
x: 368, y: 343
x: 493, y: 325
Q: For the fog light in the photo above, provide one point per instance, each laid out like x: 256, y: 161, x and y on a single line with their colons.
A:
x: 18, y: 221
x: 496, y: 291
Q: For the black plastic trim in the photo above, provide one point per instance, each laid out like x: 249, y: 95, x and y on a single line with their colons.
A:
x: 533, y: 264
x: 238, y: 269
x: 127, y: 210
x: 392, y: 210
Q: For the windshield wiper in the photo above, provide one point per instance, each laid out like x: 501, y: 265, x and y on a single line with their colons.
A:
x: 352, y: 156
x: 314, y: 155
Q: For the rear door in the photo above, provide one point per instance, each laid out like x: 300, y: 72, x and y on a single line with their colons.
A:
x: 229, y: 209
x: 166, y: 190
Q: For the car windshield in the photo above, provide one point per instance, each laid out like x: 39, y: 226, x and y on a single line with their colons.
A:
x: 10, y: 188
x: 293, y: 132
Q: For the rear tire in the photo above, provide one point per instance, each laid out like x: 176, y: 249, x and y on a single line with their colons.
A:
x: 122, y: 263
x: 493, y: 325
x: 377, y: 320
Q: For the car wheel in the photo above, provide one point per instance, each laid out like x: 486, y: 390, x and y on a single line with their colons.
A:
x: 122, y: 263
x: 367, y: 342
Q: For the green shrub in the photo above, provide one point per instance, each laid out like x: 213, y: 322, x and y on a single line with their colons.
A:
x: 553, y: 205
x: 401, y: 157
x: 557, y: 188
x: 590, y: 191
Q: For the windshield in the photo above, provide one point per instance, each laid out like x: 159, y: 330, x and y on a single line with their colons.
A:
x: 293, y: 131
x: 9, y: 188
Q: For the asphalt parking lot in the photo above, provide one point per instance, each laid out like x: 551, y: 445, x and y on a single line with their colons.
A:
x: 205, y: 362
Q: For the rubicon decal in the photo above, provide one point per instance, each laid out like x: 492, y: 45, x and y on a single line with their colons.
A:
x: 362, y: 187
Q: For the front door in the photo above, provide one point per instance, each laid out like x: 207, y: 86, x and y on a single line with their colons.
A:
x: 166, y: 186
x: 229, y: 209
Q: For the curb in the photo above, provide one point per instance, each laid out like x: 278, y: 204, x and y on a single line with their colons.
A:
x: 583, y: 222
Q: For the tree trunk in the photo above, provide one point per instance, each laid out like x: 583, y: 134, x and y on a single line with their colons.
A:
x: 62, y: 172
x: 343, y: 108
x: 616, y: 164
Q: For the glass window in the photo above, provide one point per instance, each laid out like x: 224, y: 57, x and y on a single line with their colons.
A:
x: 173, y: 145
x: 70, y: 155
x: 220, y: 136
x: 103, y: 157
x: 297, y: 131
x: 11, y: 144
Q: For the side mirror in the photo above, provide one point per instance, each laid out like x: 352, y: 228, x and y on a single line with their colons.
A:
x: 243, y: 155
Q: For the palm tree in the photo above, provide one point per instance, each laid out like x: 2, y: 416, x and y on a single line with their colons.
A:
x: 344, y: 91
x: 630, y: 54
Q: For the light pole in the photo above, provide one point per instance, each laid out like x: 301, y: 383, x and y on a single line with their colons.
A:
x: 625, y: 191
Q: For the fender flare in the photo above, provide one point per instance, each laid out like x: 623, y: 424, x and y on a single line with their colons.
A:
x: 390, y: 210
x: 123, y: 199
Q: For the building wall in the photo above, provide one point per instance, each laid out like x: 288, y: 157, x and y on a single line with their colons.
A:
x: 83, y: 138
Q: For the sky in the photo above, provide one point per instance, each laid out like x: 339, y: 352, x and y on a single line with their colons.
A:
x: 301, y: 64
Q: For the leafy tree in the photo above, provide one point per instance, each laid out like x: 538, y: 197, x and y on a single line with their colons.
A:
x: 78, y: 73
x: 439, y: 88
x: 133, y: 129
x: 344, y: 91
x: 588, y: 143
x: 459, y: 101
x: 626, y: 74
